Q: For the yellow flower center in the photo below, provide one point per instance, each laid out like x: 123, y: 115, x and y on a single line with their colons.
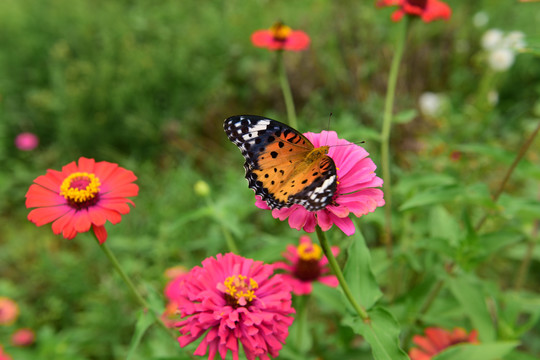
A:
x: 280, y: 31
x: 308, y: 252
x: 80, y: 189
x: 239, y: 290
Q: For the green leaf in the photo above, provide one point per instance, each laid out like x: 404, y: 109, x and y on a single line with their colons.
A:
x: 477, y: 194
x: 358, y: 273
x: 484, y: 351
x: 518, y: 355
x: 469, y: 293
x: 144, y: 321
x: 443, y: 226
x: 381, y: 332
x: 405, y: 116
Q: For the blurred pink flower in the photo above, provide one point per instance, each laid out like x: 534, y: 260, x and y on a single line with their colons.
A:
x: 355, y: 192
x: 9, y: 311
x: 172, y: 292
x: 281, y: 37
x: 26, y: 141
x: 23, y: 337
x: 3, y: 355
x: 231, y: 299
x: 437, y: 340
x: 306, y: 264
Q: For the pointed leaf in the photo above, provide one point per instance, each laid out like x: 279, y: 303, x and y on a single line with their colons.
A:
x: 358, y: 273
x: 144, y: 321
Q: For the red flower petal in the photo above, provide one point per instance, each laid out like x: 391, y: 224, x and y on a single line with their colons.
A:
x: 42, y: 216
x: 101, y: 233
x: 38, y: 196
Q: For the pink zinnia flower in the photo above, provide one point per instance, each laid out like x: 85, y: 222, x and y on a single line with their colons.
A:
x: 355, y: 193
x: 306, y: 264
x: 3, y: 355
x: 23, y: 337
x: 437, y: 340
x: 231, y: 299
x: 428, y: 10
x: 81, y: 196
x: 26, y: 141
x: 281, y: 37
x: 9, y: 311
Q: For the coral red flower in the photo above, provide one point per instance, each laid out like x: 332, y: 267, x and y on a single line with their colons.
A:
x: 3, y: 355
x: 280, y: 37
x: 355, y: 193
x: 231, y: 299
x: 23, y: 337
x: 9, y: 311
x: 437, y: 340
x: 81, y: 196
x: 306, y: 264
x: 428, y: 10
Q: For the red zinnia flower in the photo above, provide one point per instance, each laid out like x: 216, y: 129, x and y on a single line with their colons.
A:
x: 9, y: 311
x: 306, y: 264
x: 437, y: 340
x: 355, y: 192
x: 280, y: 37
x: 3, y: 355
x: 428, y: 10
x: 231, y: 299
x: 81, y: 196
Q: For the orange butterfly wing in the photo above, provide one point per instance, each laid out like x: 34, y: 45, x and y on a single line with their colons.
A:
x: 282, y: 165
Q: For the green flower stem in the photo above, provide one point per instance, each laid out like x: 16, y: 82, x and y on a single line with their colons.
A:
x: 286, y: 89
x: 524, y: 148
x: 385, y: 135
x: 301, y: 318
x: 142, y: 302
x: 339, y: 274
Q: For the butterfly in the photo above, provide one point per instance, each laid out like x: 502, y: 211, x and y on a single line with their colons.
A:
x: 282, y: 165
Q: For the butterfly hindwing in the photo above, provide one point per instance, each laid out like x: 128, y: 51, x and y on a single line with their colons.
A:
x: 276, y: 163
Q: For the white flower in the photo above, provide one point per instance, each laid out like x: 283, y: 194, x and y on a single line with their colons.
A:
x: 501, y: 59
x: 515, y: 40
x: 430, y: 104
x: 493, y: 97
x: 480, y: 19
x: 492, y: 39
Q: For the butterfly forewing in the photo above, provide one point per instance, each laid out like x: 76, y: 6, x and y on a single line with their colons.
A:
x: 276, y: 163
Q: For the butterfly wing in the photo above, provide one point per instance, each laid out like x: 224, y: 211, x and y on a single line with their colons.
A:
x: 276, y: 166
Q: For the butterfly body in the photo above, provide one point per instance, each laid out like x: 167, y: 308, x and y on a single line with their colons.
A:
x: 282, y: 165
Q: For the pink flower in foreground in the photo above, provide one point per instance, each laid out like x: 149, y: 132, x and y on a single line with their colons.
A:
x: 81, y: 196
x: 26, y: 141
x: 437, y: 340
x: 306, y: 264
x: 355, y: 193
x: 231, y: 299
x: 281, y: 37
x: 23, y: 337
x: 427, y: 10
x: 9, y: 311
x: 3, y: 355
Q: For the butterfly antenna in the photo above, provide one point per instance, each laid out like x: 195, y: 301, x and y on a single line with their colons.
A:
x: 328, y: 128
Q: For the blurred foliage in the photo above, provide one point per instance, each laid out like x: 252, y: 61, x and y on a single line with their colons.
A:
x: 147, y: 85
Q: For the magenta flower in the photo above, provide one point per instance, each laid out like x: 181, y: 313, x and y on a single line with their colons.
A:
x: 306, y: 264
x: 26, y: 141
x: 23, y: 337
x: 231, y: 299
x: 172, y: 292
x: 3, y: 355
x: 355, y: 193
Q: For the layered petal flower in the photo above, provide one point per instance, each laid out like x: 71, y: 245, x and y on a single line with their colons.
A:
x: 437, y: 340
x: 281, y: 37
x: 81, y: 196
x: 305, y: 264
x: 356, y: 191
x: 427, y: 10
x: 232, y: 299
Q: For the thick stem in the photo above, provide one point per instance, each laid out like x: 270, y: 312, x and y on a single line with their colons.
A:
x: 385, y: 136
x: 286, y: 89
x: 339, y: 274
